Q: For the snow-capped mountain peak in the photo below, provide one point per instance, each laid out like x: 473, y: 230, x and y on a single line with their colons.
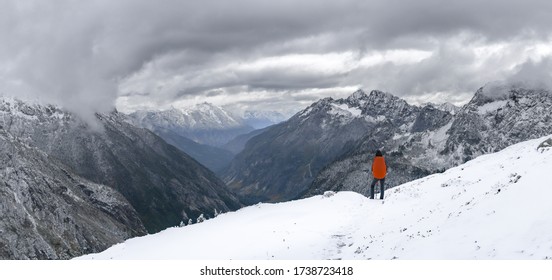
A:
x: 361, y: 99
x: 377, y: 96
x: 357, y: 96
x: 357, y: 105
x: 207, y: 115
x: 203, y: 123
x: 506, y: 91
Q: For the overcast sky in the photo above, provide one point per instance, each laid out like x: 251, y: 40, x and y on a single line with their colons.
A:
x: 265, y: 55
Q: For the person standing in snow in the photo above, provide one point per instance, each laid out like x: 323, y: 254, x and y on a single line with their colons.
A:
x: 379, y: 171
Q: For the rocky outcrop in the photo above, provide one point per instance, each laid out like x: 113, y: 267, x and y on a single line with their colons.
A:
x: 48, y: 212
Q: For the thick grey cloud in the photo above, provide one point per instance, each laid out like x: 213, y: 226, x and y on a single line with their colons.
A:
x: 537, y: 73
x: 86, y: 55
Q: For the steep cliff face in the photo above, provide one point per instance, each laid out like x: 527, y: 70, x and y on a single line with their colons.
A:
x: 163, y: 185
x: 499, y: 115
x: 48, y: 212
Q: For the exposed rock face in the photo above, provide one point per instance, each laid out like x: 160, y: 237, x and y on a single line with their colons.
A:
x: 48, y: 212
x: 498, y: 116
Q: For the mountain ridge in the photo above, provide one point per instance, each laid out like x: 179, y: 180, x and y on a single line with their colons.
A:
x: 308, y: 140
x: 203, y: 123
x: 485, y: 124
x: 335, y: 151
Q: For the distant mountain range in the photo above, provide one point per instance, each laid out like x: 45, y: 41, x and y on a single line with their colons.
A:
x: 203, y: 123
x: 262, y: 119
x: 204, y: 131
x: 330, y: 144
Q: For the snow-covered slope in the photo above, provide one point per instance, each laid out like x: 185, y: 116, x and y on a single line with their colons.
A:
x: 496, y: 206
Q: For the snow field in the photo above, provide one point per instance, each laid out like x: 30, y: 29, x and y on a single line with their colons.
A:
x: 496, y: 206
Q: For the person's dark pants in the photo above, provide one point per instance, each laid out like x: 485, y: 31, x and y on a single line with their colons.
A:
x: 382, y: 187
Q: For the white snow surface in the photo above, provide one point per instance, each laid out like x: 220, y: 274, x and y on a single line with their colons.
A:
x: 491, y: 107
x: 497, y: 206
x: 345, y: 110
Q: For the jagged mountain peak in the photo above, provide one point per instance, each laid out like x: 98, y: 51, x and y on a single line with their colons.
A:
x: 377, y: 93
x: 359, y: 94
x: 358, y: 104
x: 384, y: 97
x: 501, y: 90
x: 30, y: 109
x: 360, y: 98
